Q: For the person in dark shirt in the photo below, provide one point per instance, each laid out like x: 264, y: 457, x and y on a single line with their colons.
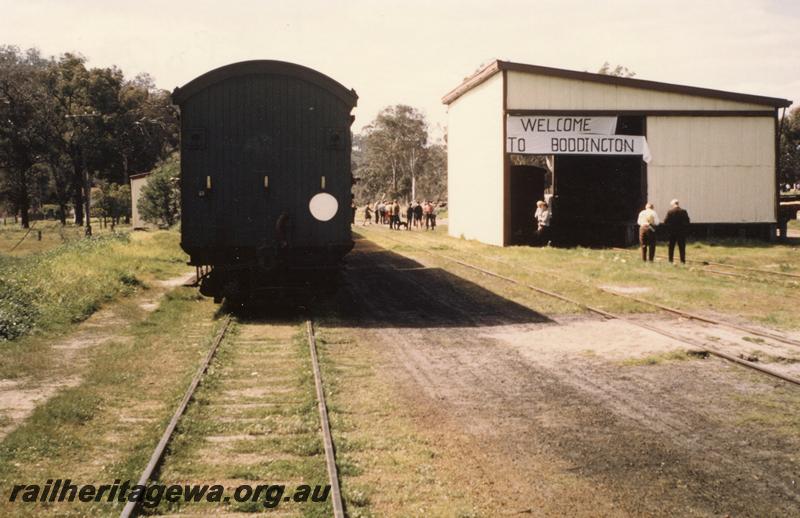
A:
x: 396, y: 215
x: 677, y: 224
x: 417, y: 214
x: 409, y: 216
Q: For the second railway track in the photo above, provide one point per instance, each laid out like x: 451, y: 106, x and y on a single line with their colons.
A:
x: 253, y: 414
x: 693, y: 341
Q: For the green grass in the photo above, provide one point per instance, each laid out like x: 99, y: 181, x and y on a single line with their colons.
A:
x: 53, y: 234
x: 577, y: 272
x: 767, y: 409
x: 44, y: 295
x: 668, y: 356
x: 45, y: 292
x: 106, y: 427
x: 278, y: 443
x: 388, y: 465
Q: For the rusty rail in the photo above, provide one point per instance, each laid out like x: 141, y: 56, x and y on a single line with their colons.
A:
x: 155, y: 459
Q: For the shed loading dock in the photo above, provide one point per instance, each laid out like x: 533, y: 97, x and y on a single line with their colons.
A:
x: 602, y: 146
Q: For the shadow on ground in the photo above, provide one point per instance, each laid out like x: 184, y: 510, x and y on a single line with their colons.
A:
x: 380, y: 288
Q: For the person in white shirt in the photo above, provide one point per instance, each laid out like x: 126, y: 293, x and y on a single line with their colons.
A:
x: 648, y: 221
x: 543, y: 223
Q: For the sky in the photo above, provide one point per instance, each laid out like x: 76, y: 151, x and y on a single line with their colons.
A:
x: 413, y: 52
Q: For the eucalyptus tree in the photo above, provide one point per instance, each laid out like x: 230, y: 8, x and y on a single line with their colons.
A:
x: 789, y: 158
x: 24, y: 131
x: 392, y: 152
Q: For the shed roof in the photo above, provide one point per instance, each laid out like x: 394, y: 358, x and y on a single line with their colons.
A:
x: 496, y: 66
x: 263, y: 66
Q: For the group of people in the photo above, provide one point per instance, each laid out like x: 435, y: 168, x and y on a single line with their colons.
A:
x: 391, y: 213
x: 677, y: 226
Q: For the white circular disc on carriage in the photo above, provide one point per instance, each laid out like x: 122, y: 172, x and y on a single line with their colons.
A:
x: 323, y: 206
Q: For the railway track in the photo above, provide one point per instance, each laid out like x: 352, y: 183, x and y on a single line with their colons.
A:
x: 253, y: 419
x: 695, y: 342
x: 685, y: 314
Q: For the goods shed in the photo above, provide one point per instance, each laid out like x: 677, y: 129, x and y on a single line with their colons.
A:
x: 138, y: 181
x: 598, y: 148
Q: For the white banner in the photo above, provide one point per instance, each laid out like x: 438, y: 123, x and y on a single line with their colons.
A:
x: 522, y: 126
x: 588, y: 136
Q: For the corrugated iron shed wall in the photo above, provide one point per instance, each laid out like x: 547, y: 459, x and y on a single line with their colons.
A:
x: 721, y: 168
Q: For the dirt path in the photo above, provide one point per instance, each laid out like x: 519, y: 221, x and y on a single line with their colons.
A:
x: 19, y: 397
x: 547, y: 416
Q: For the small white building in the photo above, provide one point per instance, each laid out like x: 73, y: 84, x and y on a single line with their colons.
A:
x: 600, y: 147
x: 138, y: 181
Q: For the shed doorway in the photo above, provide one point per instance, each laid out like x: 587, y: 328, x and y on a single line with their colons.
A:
x: 527, y: 186
x: 597, y: 198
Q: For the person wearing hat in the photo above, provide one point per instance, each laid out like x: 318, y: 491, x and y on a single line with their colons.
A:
x: 677, y: 224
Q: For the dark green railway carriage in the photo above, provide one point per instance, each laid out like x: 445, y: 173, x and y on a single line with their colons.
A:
x: 265, y: 175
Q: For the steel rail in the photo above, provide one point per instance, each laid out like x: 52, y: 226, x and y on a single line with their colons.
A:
x: 696, y: 343
x: 132, y: 507
x: 330, y: 454
x: 700, y: 318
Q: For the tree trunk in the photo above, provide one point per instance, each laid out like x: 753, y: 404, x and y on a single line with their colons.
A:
x: 24, y: 206
x: 127, y: 182
x: 78, y: 165
x: 62, y: 212
x: 126, y: 177
x: 77, y: 203
x: 23, y: 199
x: 87, y: 200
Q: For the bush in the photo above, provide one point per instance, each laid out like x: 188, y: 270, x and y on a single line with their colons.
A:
x: 17, y: 314
x: 159, y: 202
x: 47, y: 291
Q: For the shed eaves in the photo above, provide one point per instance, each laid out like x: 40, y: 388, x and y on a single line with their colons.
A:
x: 498, y: 65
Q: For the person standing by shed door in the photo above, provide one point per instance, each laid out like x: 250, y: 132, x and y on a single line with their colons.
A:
x: 677, y: 223
x: 543, y: 218
x: 647, y: 221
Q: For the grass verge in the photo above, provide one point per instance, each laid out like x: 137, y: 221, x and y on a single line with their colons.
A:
x: 387, y: 465
x: 44, y: 295
x: 106, y: 427
x: 577, y: 272
x: 53, y: 235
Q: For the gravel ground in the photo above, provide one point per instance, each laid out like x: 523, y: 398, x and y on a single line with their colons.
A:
x: 544, y: 415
